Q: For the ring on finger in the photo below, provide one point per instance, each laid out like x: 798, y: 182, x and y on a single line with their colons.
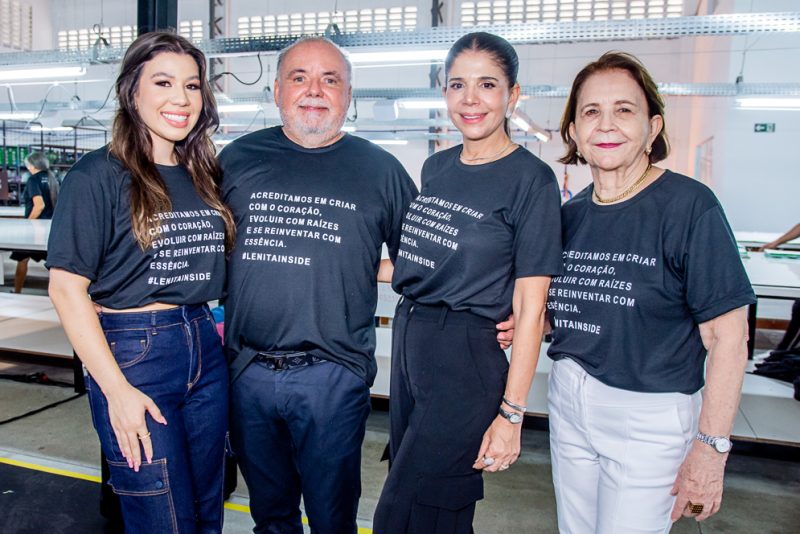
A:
x: 144, y: 436
x: 487, y: 460
x: 504, y: 467
x: 695, y: 508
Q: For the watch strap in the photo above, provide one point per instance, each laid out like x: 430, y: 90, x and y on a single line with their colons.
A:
x: 711, y: 441
x: 513, y: 417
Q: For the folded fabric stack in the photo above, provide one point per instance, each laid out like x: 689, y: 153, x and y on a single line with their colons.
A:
x: 782, y: 365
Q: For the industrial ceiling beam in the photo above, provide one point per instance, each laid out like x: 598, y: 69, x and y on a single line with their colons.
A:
x: 444, y: 36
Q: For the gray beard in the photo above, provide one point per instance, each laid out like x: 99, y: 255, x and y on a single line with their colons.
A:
x: 311, y: 136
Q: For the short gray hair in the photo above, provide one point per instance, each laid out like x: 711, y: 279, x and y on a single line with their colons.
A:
x: 315, y: 39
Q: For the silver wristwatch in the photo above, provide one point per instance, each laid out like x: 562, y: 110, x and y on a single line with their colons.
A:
x: 513, y: 417
x: 721, y: 444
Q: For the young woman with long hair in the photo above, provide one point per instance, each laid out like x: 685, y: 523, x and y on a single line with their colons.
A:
x: 141, y: 230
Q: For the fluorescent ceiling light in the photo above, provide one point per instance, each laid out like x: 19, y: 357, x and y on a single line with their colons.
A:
x: 422, y: 104
x: 238, y: 108
x: 360, y: 58
x: 55, y: 82
x: 398, y: 142
x: 24, y: 116
x: 520, y: 123
x: 521, y: 120
x: 37, y: 128
x: 768, y: 102
x: 38, y: 74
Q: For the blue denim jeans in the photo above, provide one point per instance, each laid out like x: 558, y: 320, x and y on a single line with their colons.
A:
x: 175, y: 357
x: 299, y: 431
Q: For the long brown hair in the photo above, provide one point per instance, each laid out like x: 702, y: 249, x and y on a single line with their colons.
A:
x: 634, y: 67
x: 131, y: 143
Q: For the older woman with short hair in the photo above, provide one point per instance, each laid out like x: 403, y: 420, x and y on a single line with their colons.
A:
x: 652, y: 289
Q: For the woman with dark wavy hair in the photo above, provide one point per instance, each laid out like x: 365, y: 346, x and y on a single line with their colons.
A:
x: 141, y: 229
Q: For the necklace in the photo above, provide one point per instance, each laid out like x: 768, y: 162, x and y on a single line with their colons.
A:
x: 481, y: 158
x: 627, y: 192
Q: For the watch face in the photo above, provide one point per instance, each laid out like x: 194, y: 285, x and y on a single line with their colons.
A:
x: 515, y: 418
x: 722, y: 445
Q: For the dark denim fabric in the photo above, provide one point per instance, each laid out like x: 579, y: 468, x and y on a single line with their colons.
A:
x: 299, y: 431
x: 175, y: 357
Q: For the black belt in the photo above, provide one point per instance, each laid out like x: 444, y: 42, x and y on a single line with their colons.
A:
x: 280, y: 361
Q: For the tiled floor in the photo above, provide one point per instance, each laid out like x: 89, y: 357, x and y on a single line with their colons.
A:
x: 762, y: 493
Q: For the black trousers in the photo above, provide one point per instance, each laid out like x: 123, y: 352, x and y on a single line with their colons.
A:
x: 448, y: 377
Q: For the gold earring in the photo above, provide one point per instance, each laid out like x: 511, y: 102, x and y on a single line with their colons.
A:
x: 648, y: 150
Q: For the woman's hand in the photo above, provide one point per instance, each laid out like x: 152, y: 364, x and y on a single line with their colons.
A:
x: 127, y: 407
x: 699, y: 481
x: 501, y: 443
x: 385, y: 271
x: 505, y: 332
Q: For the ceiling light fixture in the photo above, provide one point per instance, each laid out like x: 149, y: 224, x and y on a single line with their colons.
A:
x: 400, y: 56
x: 50, y: 73
x: 238, y: 108
x: 38, y: 128
x: 521, y: 120
x: 390, y: 142
x: 768, y: 103
x: 421, y: 104
x: 18, y: 116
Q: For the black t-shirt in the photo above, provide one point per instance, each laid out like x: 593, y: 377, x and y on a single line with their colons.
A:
x: 310, y: 228
x: 91, y: 236
x: 474, y: 229
x: 639, y: 277
x: 38, y: 185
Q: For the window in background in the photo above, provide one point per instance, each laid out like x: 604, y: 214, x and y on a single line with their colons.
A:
x: 350, y: 21
x: 16, y: 25
x: 519, y: 11
x: 121, y: 36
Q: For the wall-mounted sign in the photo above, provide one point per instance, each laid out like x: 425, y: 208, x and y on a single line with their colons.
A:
x: 764, y: 127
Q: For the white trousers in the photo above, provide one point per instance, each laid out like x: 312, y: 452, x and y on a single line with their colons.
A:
x: 615, y: 453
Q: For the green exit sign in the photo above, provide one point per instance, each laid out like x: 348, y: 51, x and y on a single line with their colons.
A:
x: 764, y: 127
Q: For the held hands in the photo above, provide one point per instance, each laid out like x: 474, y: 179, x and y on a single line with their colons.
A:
x: 505, y: 332
x: 126, y: 410
x: 501, y: 445
x: 699, y: 482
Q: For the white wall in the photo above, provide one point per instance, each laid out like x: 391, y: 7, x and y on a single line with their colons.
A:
x: 752, y: 173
